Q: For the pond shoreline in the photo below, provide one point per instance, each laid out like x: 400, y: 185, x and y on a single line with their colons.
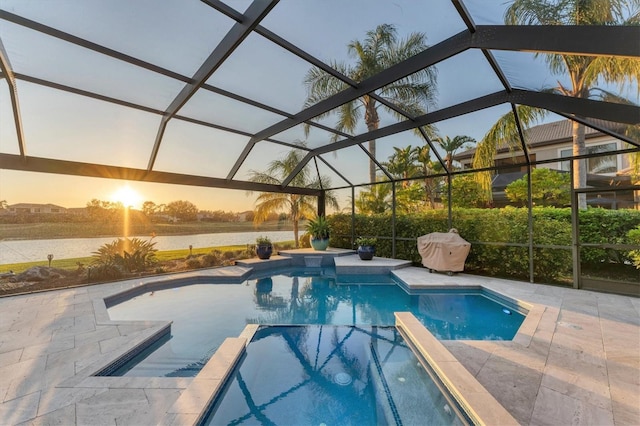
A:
x: 62, y: 230
x: 24, y: 251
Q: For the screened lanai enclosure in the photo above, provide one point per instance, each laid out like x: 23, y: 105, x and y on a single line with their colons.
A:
x: 514, y: 122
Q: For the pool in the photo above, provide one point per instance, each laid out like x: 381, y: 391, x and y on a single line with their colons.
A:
x: 204, y: 315
x: 327, y: 375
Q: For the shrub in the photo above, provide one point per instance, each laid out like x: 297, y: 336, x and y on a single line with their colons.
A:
x: 284, y: 246
x: 634, y: 238
x: 103, y: 272
x: 601, y: 226
x: 366, y: 241
x: 193, y: 263
x: 550, y: 188
x: 551, y: 227
x: 305, y: 241
x: 128, y: 255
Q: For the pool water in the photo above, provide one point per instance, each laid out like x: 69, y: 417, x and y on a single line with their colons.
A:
x: 204, y: 315
x: 330, y: 375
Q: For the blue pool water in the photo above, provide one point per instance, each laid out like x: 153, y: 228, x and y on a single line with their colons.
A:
x: 330, y: 375
x: 204, y: 315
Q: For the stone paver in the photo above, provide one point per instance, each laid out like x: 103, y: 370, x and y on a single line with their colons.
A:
x: 581, y: 366
x: 579, y: 362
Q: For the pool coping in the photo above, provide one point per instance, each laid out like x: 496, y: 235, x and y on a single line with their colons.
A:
x: 481, y: 407
x: 151, y: 331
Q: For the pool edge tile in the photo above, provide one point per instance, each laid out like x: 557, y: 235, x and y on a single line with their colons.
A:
x: 477, y: 402
x: 194, y: 402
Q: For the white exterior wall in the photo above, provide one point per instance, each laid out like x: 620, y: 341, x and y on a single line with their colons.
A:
x: 554, y: 151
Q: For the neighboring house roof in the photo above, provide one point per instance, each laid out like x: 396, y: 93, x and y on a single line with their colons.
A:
x: 34, y: 206
x: 551, y: 134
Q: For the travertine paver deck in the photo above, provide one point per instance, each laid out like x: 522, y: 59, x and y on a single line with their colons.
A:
x: 581, y: 364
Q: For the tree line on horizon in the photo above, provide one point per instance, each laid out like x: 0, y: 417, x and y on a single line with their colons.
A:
x: 97, y: 210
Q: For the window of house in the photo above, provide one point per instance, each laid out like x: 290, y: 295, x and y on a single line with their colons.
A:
x: 504, y: 163
x: 596, y: 165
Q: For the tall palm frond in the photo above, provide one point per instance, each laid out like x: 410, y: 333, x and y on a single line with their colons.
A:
x: 503, y: 133
x: 585, y: 72
x: 379, y: 50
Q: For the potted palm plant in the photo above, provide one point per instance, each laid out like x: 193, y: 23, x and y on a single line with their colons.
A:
x: 318, y: 229
x: 264, y: 248
x: 366, y: 247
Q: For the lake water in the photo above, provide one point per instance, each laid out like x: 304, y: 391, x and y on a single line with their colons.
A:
x: 16, y: 251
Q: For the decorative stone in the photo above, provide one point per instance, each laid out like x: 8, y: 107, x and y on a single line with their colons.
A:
x: 40, y: 273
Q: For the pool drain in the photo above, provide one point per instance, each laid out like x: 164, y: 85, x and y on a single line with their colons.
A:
x: 342, y: 379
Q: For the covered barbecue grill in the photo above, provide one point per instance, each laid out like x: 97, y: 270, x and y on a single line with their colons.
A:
x: 443, y: 251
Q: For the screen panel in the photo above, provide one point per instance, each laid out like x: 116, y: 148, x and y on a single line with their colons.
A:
x: 263, y: 71
x: 65, y: 126
x: 198, y: 150
x: 223, y: 111
x: 8, y: 135
x: 319, y: 29
x: 173, y: 34
x: 37, y: 55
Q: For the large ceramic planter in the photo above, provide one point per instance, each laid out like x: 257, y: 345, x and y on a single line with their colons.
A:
x: 264, y: 251
x: 366, y: 252
x: 319, y: 244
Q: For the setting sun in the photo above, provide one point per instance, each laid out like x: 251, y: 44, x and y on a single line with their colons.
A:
x: 127, y: 196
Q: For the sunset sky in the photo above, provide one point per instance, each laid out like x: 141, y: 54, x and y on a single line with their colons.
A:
x: 66, y: 126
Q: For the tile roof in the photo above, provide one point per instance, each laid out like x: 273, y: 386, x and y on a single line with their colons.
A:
x: 550, y: 134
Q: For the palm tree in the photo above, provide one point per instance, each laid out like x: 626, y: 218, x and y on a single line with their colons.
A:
x: 584, y: 71
x: 296, y: 206
x: 379, y: 50
x: 450, y: 146
x: 427, y: 167
x: 402, y: 164
x: 376, y: 200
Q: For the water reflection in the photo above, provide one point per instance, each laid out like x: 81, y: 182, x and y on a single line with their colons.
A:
x: 203, y: 315
x: 322, y: 300
x: 330, y: 375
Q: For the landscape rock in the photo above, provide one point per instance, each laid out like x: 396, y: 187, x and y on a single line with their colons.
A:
x: 40, y: 273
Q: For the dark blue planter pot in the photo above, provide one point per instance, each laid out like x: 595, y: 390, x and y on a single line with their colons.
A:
x: 264, y: 285
x: 366, y: 252
x: 264, y: 251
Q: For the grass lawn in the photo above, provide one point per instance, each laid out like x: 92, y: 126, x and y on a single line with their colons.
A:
x: 161, y: 256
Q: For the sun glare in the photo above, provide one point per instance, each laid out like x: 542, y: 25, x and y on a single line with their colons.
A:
x: 127, y: 196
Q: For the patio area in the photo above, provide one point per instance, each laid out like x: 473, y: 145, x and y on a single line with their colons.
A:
x: 578, y: 364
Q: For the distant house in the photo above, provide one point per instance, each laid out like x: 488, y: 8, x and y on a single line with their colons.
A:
x: 554, y: 140
x: 31, y: 208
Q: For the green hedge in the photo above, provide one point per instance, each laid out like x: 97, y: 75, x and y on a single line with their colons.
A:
x: 551, y: 226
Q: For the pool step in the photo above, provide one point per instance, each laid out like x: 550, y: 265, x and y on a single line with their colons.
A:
x: 313, y: 258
